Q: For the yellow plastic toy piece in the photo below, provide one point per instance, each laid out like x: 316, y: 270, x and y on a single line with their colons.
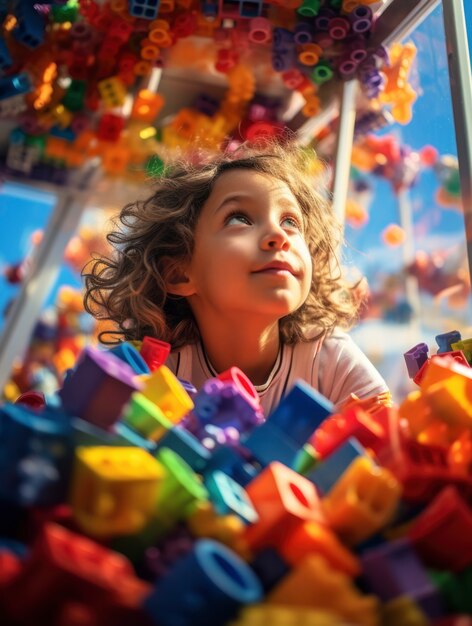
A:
x: 404, y: 611
x: 397, y: 91
x: 165, y: 390
x: 466, y: 346
x: 362, y: 501
x: 228, y: 529
x: 112, y: 92
x: 114, y: 490
x: 146, y: 418
x: 451, y: 400
x: 314, y: 584
x: 268, y: 615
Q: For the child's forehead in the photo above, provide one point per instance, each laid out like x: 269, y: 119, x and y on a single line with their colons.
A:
x: 249, y: 182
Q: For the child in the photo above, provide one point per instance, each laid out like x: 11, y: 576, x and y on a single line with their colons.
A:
x: 233, y: 262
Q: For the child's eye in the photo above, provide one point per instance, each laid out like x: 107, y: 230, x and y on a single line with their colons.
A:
x: 237, y: 217
x: 290, y: 221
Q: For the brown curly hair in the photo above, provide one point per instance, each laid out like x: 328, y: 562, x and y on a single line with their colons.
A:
x: 129, y: 288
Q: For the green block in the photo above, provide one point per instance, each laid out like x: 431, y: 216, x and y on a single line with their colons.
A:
x: 74, y: 98
x: 65, y: 13
x: 146, y: 418
x: 309, y: 8
x: 155, y: 167
x: 305, y: 460
x: 180, y: 491
x: 38, y: 141
x: 322, y: 72
x: 456, y: 589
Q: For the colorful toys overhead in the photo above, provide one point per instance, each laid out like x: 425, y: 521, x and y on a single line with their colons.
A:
x: 79, y: 76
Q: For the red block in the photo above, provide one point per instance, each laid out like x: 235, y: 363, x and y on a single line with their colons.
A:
x: 442, y: 533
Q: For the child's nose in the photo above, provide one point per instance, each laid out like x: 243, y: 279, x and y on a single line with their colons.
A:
x: 275, y: 239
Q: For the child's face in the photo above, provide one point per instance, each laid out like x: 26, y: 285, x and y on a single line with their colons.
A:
x: 250, y: 254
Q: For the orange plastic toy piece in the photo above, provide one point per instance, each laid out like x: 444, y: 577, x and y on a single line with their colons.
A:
x: 362, y: 501
x: 312, y: 537
x: 313, y: 583
x: 282, y: 499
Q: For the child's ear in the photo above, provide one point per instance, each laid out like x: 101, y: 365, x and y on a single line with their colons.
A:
x: 176, y: 278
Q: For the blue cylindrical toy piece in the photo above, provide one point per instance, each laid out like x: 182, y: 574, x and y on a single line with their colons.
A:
x: 127, y: 353
x: 207, y: 586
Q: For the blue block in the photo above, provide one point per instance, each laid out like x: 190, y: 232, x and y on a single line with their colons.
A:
x: 36, y: 455
x: 5, y: 58
x: 17, y: 548
x: 327, y: 472
x: 144, y: 9
x: 130, y: 437
x: 207, y: 586
x: 187, y: 447
x: 31, y: 25
x: 14, y: 86
x: 250, y: 8
x: 267, y: 444
x: 300, y: 413
x: 229, y: 498
x: 230, y: 461
x: 444, y: 340
x: 128, y: 353
x: 63, y: 133
x: 269, y: 568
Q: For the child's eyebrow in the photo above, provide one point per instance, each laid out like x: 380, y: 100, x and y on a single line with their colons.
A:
x: 285, y: 203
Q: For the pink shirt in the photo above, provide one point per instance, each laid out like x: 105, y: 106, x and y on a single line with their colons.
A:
x: 333, y: 365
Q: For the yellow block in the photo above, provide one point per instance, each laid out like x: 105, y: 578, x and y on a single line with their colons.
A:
x: 165, y: 390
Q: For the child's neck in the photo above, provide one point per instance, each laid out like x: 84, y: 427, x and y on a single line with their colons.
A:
x: 254, y: 353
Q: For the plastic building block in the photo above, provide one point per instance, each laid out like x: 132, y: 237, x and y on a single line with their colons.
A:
x: 5, y: 57
x: 466, y: 346
x: 32, y: 399
x: 187, y: 447
x: 36, y: 455
x: 445, y: 340
x: 267, y: 443
x: 14, y: 86
x: 161, y: 558
x: 165, y: 390
x: 260, y: 30
x: 309, y: 8
x: 450, y: 400
x: 327, y: 472
x: 180, y: 491
x: 455, y: 589
x: 315, y: 538
x: 393, y: 569
x: 65, y: 563
x: 129, y: 437
x: 309, y: 54
x: 110, y: 127
x: 144, y: 9
x: 231, y: 402
x: 114, y: 490
x: 353, y: 422
x: 210, y: 581
x: 415, y: 357
x: 227, y: 529
x: 322, y: 73
x: 362, y: 501
x: 314, y: 584
x: 301, y: 411
x: 403, y: 610
x: 229, y: 497
x: 98, y: 388
x: 441, y: 534
x: 127, y: 353
x: 233, y: 462
x: 361, y: 19
x: 338, y: 28
x: 282, y: 499
x: 269, y: 568
x: 146, y: 106
x: 262, y: 614
x: 31, y: 25
x: 146, y: 418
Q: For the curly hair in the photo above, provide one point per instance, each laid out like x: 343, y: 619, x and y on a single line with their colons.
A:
x: 128, y: 288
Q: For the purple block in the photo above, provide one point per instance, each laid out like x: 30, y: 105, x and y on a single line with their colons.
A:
x: 415, y: 357
x: 393, y: 569
x: 98, y: 388
x: 361, y: 18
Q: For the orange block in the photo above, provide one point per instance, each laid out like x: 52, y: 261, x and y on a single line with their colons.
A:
x: 315, y: 538
x: 146, y: 106
x: 362, y: 501
x: 451, y: 400
x: 115, y: 159
x: 314, y: 584
x: 282, y: 499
